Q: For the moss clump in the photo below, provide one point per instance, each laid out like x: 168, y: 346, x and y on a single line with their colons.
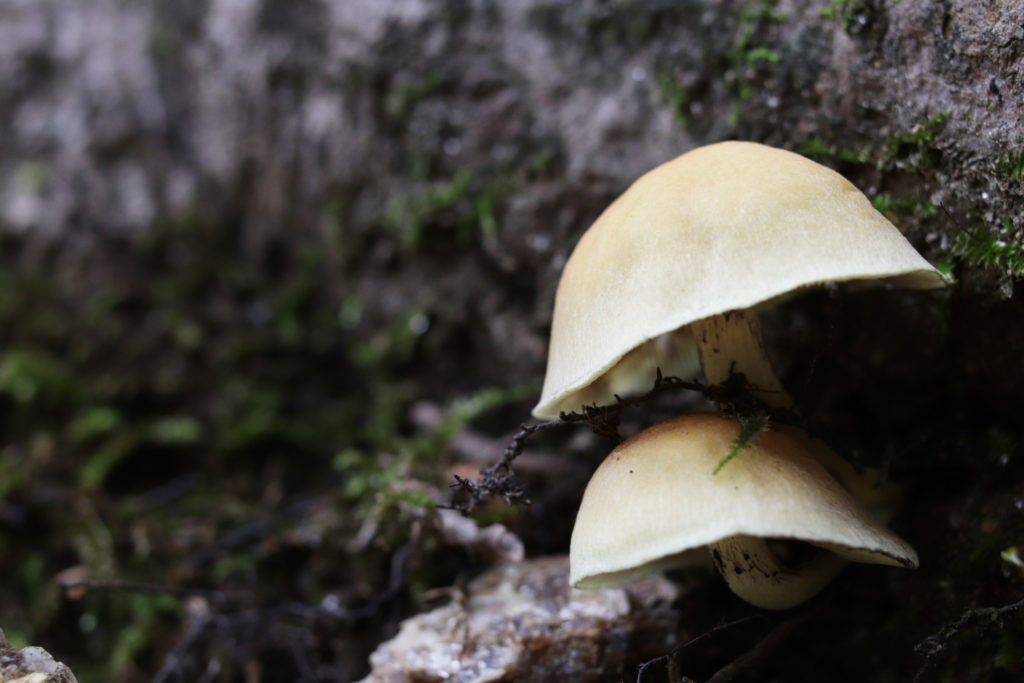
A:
x: 674, y: 94
x: 761, y: 55
x: 1010, y: 166
x: 893, y: 205
x: 750, y: 428
x: 997, y: 248
x: 374, y: 475
x: 443, y: 205
x: 750, y: 52
x: 616, y: 24
x: 850, y: 13
x: 914, y: 149
x: 831, y: 154
x: 402, y: 98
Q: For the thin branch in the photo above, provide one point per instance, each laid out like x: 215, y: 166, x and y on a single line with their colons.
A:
x: 733, y: 397
x: 933, y: 646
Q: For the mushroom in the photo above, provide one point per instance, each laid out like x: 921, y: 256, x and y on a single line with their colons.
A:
x: 654, y: 501
x: 671, y: 275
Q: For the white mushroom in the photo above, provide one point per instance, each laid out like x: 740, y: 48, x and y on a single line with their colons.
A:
x: 686, y: 256
x: 656, y: 498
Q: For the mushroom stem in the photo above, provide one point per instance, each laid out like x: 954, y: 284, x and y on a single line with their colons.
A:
x: 732, y: 343
x: 755, y: 573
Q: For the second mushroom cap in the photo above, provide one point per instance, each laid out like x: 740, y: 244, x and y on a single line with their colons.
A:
x: 656, y: 497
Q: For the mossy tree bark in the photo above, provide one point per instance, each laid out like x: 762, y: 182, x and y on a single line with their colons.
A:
x: 441, y: 159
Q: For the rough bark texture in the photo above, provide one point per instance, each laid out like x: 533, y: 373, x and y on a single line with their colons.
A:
x: 442, y: 158
x: 119, y: 115
x: 497, y: 128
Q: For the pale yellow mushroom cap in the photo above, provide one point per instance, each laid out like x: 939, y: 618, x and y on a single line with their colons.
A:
x: 656, y: 497
x: 727, y: 226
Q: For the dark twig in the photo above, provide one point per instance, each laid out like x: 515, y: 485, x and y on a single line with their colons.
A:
x: 733, y: 397
x: 500, y: 480
x: 969, y: 232
x: 933, y: 646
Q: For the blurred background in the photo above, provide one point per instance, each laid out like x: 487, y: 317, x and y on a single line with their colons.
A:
x: 271, y: 272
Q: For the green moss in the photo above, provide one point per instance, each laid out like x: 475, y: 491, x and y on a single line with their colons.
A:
x: 946, y: 264
x: 999, y: 248
x: 821, y: 151
x: 461, y: 209
x: 142, y: 615
x: 28, y: 375
x: 920, y: 134
x: 914, y: 149
x: 486, y: 218
x: 849, y: 12
x: 102, y: 458
x: 673, y: 94
x: 759, y: 55
x: 412, y: 215
x: 610, y: 24
x: 374, y: 474
x: 750, y: 428
x: 400, y: 100
x: 892, y: 205
x: 761, y: 10
x: 749, y: 53
x: 1010, y: 166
